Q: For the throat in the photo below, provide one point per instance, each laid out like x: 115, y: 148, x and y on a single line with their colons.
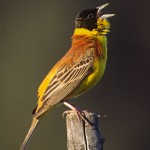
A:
x: 85, y: 32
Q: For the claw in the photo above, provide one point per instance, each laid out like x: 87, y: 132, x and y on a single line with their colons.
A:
x: 78, y: 113
x: 66, y: 113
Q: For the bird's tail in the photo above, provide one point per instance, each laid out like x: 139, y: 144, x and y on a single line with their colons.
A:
x: 31, y: 130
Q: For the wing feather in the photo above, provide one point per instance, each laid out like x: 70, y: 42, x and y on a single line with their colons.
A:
x: 69, y: 79
x: 61, y: 86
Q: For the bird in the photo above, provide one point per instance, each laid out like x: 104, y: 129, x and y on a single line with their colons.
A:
x: 80, y: 69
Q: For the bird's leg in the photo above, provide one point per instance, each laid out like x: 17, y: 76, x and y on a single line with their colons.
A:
x: 78, y: 112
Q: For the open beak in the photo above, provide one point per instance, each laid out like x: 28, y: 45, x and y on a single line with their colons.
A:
x: 105, y: 15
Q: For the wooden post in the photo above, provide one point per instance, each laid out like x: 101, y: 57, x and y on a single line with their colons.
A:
x: 81, y: 136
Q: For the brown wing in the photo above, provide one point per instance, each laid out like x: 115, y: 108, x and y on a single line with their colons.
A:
x: 65, y: 81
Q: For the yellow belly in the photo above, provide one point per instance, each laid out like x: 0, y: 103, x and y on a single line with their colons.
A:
x: 96, y: 75
x: 91, y: 80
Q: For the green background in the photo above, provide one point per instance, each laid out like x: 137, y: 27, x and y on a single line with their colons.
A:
x: 35, y: 34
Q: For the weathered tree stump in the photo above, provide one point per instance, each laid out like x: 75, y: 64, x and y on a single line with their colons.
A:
x: 83, y: 136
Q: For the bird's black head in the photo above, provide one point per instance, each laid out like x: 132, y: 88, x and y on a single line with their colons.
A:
x: 88, y: 18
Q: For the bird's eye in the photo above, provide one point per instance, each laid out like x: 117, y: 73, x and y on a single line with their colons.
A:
x: 90, y: 16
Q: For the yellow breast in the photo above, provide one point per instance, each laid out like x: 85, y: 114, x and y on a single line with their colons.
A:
x: 99, y: 64
x: 97, y: 73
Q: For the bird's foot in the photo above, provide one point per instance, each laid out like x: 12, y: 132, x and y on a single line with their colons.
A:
x: 79, y: 114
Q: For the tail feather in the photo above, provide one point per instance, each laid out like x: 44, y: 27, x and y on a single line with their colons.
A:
x: 29, y: 134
